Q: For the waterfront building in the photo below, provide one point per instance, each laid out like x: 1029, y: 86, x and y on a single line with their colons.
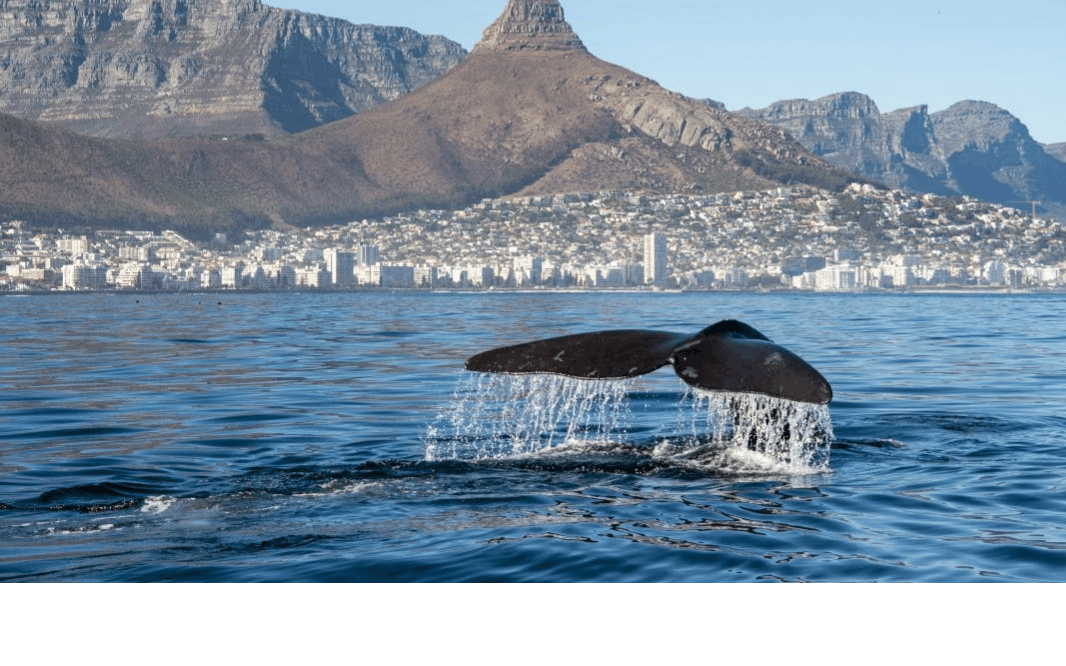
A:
x: 259, y: 279
x: 734, y: 278
x: 528, y: 271
x: 397, y: 277
x: 232, y: 277
x: 897, y: 276
x: 996, y: 273
x: 656, y: 272
x: 211, y: 279
x: 607, y: 277
x: 840, y: 277
x: 480, y: 276
x: 368, y: 255
x: 82, y: 277
x: 284, y: 275
x: 426, y: 276
x: 134, y: 276
x: 341, y: 267
x: 315, y: 277
x: 386, y: 276
x: 634, y: 274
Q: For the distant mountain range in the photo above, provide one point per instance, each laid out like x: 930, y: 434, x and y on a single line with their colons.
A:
x: 136, y: 69
x: 528, y: 111
x: 209, y: 114
x: 971, y: 148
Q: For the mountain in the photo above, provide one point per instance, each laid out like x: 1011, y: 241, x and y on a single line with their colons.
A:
x: 529, y: 111
x: 972, y: 148
x: 49, y: 175
x: 158, y: 68
x: 1056, y: 150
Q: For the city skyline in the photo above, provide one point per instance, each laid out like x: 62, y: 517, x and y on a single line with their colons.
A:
x: 784, y: 238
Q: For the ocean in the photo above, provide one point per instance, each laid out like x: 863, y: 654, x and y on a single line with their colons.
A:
x: 335, y: 437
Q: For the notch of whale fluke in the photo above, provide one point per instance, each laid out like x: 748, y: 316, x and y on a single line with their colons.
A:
x: 530, y: 24
x: 728, y: 356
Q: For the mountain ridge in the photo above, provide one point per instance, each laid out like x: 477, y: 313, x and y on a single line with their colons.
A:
x: 971, y: 148
x: 528, y: 111
x: 159, y: 68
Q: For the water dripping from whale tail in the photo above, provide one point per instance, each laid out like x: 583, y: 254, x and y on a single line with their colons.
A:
x: 508, y: 417
x: 504, y: 416
x: 753, y: 431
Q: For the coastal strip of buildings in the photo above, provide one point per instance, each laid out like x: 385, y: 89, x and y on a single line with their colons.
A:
x: 786, y: 238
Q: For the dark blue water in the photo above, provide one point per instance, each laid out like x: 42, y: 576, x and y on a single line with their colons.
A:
x: 284, y: 438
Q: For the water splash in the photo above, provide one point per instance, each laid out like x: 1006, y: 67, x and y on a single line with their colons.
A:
x: 505, y: 416
x: 496, y: 416
x: 753, y: 429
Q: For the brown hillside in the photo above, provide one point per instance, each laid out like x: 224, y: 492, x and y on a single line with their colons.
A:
x: 529, y: 111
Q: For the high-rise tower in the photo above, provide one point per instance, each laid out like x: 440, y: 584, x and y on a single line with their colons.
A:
x: 655, y: 257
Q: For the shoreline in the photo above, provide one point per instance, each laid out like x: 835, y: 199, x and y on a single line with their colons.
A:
x: 934, y: 290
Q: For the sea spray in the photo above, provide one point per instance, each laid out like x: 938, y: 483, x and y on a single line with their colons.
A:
x: 752, y: 427
x: 496, y: 416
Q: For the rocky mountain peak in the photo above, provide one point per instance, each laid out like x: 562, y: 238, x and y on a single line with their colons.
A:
x: 530, y: 24
x: 972, y: 148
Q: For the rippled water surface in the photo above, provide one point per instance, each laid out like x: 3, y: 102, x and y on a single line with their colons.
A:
x: 335, y: 437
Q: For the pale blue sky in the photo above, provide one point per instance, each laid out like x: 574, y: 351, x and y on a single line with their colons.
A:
x: 900, y: 53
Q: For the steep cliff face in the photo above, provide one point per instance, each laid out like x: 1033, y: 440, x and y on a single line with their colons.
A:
x: 990, y: 151
x: 153, y: 68
x: 971, y: 148
x: 844, y: 129
x: 849, y: 130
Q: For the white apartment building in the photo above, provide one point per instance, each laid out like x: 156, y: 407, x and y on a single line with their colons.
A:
x: 656, y: 271
x: 426, y: 276
x: 73, y: 246
x: 841, y: 277
x: 528, y: 271
x: 386, y: 276
x: 368, y: 255
x: 84, y: 276
x: 134, y: 276
x: 608, y: 277
x: 211, y: 279
x: 134, y: 253
x: 232, y: 277
x: 341, y: 267
x: 315, y: 277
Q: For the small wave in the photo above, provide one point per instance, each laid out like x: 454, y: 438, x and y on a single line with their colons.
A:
x: 158, y: 504
x: 339, y: 487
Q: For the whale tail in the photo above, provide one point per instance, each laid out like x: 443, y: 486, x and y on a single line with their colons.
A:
x: 728, y: 356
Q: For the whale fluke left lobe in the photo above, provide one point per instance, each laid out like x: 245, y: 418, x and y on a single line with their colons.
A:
x: 600, y: 355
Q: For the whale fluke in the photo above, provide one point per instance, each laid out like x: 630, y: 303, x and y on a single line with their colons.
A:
x: 728, y: 356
